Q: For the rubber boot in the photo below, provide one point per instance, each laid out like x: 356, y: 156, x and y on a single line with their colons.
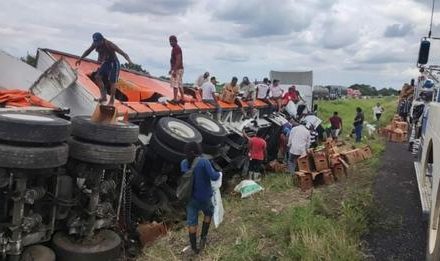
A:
x: 193, y: 241
x: 204, y: 234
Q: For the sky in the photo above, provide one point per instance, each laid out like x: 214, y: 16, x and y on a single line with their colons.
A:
x: 343, y: 41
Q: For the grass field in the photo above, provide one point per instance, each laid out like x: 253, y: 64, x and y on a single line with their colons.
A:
x: 283, y: 223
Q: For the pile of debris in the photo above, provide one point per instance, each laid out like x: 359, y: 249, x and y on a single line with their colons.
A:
x: 328, y: 164
x: 396, y: 131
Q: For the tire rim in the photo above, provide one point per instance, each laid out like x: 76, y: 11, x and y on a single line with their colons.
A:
x: 27, y: 117
x: 181, y: 130
x: 208, y: 124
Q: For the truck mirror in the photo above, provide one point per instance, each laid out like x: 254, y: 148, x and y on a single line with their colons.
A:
x: 424, y: 51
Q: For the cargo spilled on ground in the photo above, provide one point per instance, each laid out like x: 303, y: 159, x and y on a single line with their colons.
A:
x: 325, y: 223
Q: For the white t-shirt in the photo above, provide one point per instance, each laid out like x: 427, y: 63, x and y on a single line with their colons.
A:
x: 276, y: 91
x: 262, y: 90
x: 377, y: 110
x: 299, y: 140
x: 207, y: 89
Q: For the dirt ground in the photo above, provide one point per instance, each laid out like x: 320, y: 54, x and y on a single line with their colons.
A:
x: 399, y: 233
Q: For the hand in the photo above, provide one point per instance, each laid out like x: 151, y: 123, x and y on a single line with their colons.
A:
x: 77, y: 63
x: 170, y: 72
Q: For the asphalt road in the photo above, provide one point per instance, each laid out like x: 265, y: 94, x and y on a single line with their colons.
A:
x: 399, y: 233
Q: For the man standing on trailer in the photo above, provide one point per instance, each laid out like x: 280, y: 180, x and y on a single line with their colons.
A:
x: 176, y: 70
x: 109, y: 65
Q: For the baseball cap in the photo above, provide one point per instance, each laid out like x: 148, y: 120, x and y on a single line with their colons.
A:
x: 97, y: 37
x: 213, y: 78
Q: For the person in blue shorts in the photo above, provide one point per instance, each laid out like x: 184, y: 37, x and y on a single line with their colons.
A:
x: 110, y: 66
x: 201, y: 194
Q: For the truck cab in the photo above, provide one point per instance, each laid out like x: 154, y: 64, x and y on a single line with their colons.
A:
x: 425, y: 145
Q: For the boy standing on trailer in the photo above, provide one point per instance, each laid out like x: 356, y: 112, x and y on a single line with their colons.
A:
x: 176, y: 70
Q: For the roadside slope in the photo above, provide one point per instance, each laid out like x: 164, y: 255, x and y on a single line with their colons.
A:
x: 399, y: 232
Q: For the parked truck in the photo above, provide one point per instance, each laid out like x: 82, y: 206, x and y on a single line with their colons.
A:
x: 425, y: 144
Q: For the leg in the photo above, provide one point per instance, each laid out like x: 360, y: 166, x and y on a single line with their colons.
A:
x: 175, y: 93
x: 98, y: 80
x: 113, y: 79
x: 174, y: 85
x: 192, y: 212
x: 181, y: 93
x: 179, y: 83
x: 279, y: 104
x: 208, y: 212
x: 291, y: 163
x: 358, y: 133
x: 112, y: 94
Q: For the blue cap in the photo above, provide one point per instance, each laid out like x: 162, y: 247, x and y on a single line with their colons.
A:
x: 97, y: 37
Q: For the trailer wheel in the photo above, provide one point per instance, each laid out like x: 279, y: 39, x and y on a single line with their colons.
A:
x: 213, y: 150
x: 38, y: 253
x: 29, y: 128
x: 105, y: 245
x: 212, y: 131
x: 101, y: 153
x: 164, y: 151
x: 26, y: 157
x: 146, y: 204
x: 176, y: 133
x: 119, y: 133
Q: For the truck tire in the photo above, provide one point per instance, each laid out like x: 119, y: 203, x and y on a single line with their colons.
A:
x: 176, y: 133
x: 29, y: 128
x: 26, y: 157
x: 37, y: 253
x: 166, y: 152
x: 145, y: 207
x: 101, y: 153
x: 212, y: 131
x: 118, y: 133
x: 105, y: 245
x: 213, y: 150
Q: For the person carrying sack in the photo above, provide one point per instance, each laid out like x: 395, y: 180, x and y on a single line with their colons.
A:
x: 202, y: 173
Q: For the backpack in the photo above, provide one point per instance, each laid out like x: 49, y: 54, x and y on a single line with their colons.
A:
x: 185, y: 186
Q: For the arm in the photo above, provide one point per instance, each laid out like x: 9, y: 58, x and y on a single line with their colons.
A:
x: 85, y: 54
x: 118, y: 50
x: 245, y: 135
x: 289, y: 141
x: 213, y: 97
x: 184, y: 166
x: 213, y: 175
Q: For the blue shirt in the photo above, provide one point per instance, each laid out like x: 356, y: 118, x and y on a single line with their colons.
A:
x: 203, y: 174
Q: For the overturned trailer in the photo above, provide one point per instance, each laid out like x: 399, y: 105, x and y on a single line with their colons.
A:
x: 115, y: 175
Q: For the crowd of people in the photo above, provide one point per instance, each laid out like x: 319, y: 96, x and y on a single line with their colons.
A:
x: 304, y: 130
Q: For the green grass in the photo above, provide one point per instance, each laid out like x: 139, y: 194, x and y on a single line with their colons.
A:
x: 283, y: 223
x: 347, y: 110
